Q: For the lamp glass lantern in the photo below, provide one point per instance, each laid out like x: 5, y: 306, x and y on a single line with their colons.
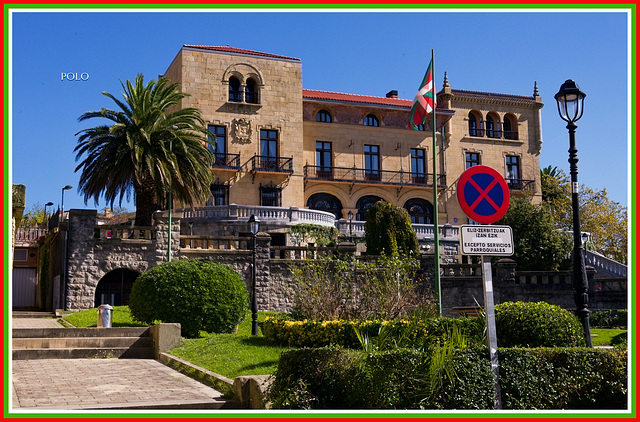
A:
x: 254, y: 225
x: 570, y: 101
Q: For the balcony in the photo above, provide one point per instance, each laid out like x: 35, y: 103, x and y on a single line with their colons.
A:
x: 384, y: 177
x: 226, y: 161
x: 520, y: 184
x: 270, y: 164
x: 494, y: 134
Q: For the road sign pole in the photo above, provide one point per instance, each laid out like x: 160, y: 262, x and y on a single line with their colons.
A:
x: 491, y: 328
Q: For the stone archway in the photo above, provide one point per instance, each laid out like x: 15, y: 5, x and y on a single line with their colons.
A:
x: 114, y: 287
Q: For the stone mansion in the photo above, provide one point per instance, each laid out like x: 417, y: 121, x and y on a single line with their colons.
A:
x: 278, y: 144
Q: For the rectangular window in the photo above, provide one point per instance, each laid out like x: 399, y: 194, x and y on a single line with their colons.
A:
x: 323, y: 159
x: 471, y: 159
x: 372, y: 162
x: 513, y: 171
x: 219, y: 195
x: 270, y: 196
x: 268, y: 148
x: 218, y: 144
x: 418, y: 170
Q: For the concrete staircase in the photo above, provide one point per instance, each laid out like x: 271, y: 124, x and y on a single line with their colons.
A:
x: 75, y: 343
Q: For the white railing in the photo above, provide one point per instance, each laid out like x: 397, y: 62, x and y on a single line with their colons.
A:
x: 423, y: 231
x: 29, y: 234
x: 604, y: 264
x: 291, y: 215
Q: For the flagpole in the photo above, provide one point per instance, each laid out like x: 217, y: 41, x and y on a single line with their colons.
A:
x: 436, y: 234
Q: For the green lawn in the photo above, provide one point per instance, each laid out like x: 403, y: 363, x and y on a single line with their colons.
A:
x: 607, y: 336
x: 232, y: 355
x: 120, y: 317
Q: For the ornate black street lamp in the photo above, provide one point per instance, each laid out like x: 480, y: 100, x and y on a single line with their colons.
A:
x: 350, y: 215
x: 570, y: 106
x: 254, y: 227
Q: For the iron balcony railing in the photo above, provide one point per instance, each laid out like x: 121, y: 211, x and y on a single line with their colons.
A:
x: 223, y: 160
x: 359, y: 175
x: 494, y: 133
x: 272, y: 164
x: 520, y: 184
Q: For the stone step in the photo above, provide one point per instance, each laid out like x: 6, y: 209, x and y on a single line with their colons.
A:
x: 80, y: 353
x: 75, y: 343
x: 80, y: 332
x: 80, y: 342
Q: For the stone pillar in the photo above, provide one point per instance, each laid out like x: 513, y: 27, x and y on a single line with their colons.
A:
x: 264, y: 286
x: 161, y: 222
x: 80, y: 274
x: 505, y: 270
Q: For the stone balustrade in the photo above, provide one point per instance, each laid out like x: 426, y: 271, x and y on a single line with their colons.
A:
x: 274, y: 215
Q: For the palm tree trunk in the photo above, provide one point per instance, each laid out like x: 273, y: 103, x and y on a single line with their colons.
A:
x: 146, y: 203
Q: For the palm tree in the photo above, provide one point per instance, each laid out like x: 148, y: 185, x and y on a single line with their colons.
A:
x: 150, y: 146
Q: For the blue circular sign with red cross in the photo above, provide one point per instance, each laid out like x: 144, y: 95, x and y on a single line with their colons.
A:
x: 483, y: 194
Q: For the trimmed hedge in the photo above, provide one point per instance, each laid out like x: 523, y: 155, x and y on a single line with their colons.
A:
x: 537, y: 324
x: 544, y: 378
x: 309, y: 333
x: 201, y: 295
x: 518, y: 324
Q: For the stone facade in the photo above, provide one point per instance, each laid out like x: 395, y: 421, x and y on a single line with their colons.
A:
x: 348, y: 150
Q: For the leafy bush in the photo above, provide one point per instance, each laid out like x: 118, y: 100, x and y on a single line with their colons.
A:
x: 199, y: 294
x: 388, y: 231
x: 336, y: 288
x: 545, y: 378
x: 539, y: 324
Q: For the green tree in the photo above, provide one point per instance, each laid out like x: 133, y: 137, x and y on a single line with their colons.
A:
x: 604, y: 218
x: 538, y: 244
x: 33, y: 217
x: 388, y: 231
x: 151, y: 146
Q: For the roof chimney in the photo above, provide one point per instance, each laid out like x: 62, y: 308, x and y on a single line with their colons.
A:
x: 392, y: 94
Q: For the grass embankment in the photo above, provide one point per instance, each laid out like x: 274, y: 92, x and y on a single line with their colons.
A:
x: 241, y: 353
x: 230, y: 355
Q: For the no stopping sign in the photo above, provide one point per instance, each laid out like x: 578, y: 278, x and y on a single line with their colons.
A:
x: 483, y: 194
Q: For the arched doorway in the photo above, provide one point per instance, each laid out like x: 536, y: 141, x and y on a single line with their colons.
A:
x: 364, y: 204
x: 325, y: 202
x: 420, y: 211
x: 115, y: 287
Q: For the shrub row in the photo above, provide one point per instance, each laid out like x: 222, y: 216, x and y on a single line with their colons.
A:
x: 309, y: 333
x: 543, y: 378
x: 518, y: 324
x: 609, y: 318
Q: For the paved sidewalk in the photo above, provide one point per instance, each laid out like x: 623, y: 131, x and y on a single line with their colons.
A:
x: 86, y: 384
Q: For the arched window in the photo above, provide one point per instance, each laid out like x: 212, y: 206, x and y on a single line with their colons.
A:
x: 473, y: 125
x: 509, y: 128
x: 325, y: 202
x: 364, y: 204
x: 235, y: 94
x: 420, y: 211
x: 323, y: 116
x: 490, y: 126
x: 251, y: 92
x: 371, y: 120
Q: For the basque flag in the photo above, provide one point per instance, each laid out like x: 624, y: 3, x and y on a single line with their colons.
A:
x: 424, y: 101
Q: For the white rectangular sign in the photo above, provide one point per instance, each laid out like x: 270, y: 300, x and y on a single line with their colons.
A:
x: 486, y: 240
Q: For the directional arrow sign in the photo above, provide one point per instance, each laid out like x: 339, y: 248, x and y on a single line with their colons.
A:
x: 483, y: 194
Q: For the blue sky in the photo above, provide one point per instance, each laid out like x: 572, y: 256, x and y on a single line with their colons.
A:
x: 361, y: 52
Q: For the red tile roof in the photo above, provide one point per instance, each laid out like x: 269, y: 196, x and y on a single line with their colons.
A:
x: 311, y: 94
x: 234, y: 50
